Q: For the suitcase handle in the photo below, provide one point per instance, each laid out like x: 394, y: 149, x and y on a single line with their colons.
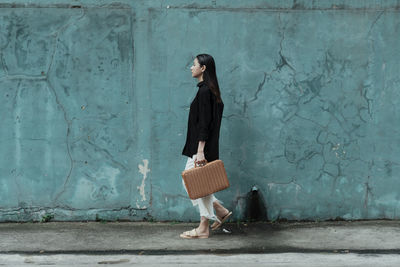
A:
x: 200, y: 163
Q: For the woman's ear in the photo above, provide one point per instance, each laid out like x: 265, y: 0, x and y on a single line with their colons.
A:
x: 203, y: 68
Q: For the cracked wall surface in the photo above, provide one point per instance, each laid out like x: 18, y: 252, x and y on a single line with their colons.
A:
x: 68, y: 109
x: 95, y: 97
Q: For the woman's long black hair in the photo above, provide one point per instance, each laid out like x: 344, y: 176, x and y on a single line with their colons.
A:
x: 210, y: 75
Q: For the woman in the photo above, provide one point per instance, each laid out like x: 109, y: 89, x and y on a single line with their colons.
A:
x: 202, y: 140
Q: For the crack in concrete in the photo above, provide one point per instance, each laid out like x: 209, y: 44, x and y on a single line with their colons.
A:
x: 69, y: 123
x: 368, y: 188
x: 17, y: 142
x: 346, y: 125
x: 107, y: 154
x: 35, y: 209
x: 374, y: 22
x: 260, y: 86
x: 364, y: 90
x: 115, y: 5
x: 293, y: 8
x: 323, y: 127
x: 283, y: 61
x: 57, y: 33
x: 246, y: 102
x: 3, y: 63
x: 44, y: 77
x: 24, y: 77
x: 335, y: 114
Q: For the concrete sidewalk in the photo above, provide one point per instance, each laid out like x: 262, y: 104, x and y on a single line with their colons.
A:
x: 163, y: 238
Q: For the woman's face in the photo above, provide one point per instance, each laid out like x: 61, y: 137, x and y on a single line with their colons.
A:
x: 197, y: 71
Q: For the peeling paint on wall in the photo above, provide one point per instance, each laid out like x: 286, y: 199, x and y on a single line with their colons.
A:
x: 143, y: 169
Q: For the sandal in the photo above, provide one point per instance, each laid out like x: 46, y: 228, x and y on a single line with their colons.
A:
x: 217, y: 224
x: 192, y: 234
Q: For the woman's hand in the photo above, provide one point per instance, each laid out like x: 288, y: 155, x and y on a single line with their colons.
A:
x: 200, y: 152
x: 200, y: 156
x: 200, y: 159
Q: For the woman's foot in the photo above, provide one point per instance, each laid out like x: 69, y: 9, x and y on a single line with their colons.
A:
x: 203, y: 228
x: 222, y: 219
x: 222, y: 214
x: 220, y: 210
x: 193, y: 234
x: 202, y: 231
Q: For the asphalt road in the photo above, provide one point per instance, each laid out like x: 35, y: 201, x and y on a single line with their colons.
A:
x: 270, y: 260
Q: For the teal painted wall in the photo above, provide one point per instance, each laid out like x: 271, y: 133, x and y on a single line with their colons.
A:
x: 95, y: 96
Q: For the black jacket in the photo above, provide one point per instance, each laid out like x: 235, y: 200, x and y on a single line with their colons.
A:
x: 204, y: 123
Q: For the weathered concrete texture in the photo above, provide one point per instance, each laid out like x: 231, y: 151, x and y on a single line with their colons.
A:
x: 68, y: 141
x: 249, y: 260
x: 310, y: 103
x: 163, y: 238
x: 95, y: 97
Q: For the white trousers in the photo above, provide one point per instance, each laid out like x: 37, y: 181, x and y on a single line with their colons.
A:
x: 205, y: 204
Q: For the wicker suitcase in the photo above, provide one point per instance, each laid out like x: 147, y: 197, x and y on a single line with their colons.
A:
x: 205, y: 180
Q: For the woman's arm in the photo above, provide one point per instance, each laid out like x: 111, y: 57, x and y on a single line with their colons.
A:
x: 204, y: 120
x: 205, y: 113
x: 200, y: 148
x: 200, y: 151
